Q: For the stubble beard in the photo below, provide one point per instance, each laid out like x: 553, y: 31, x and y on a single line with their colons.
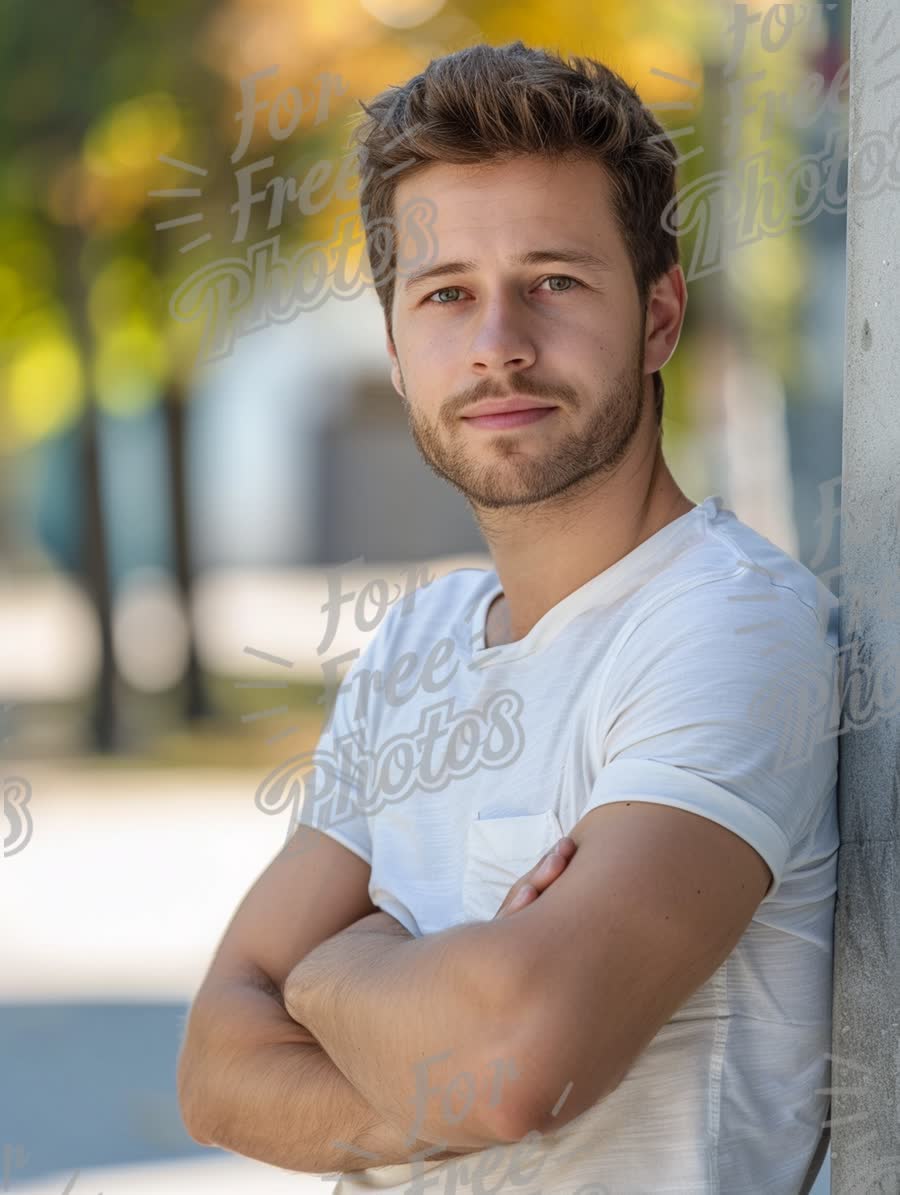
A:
x: 508, y: 476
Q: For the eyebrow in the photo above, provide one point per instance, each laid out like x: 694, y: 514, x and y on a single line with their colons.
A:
x: 536, y: 257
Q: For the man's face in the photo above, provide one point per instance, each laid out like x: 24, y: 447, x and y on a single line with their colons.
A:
x: 563, y: 333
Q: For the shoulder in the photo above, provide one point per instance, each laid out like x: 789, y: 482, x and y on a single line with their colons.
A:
x: 735, y: 587
x: 734, y: 655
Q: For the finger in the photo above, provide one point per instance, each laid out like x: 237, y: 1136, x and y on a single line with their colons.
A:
x: 526, y: 893
x: 565, y: 847
x: 550, y: 868
x: 538, y: 880
x: 522, y: 897
x: 544, y: 872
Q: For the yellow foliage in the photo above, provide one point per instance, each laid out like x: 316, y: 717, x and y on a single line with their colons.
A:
x: 44, y: 386
x: 131, y: 136
x: 130, y: 366
x: 125, y: 284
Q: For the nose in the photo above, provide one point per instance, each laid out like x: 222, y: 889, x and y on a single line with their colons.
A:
x: 502, y: 338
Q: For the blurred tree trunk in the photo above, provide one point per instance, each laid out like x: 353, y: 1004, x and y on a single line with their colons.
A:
x: 195, y: 700
x: 94, y: 562
x: 95, y: 566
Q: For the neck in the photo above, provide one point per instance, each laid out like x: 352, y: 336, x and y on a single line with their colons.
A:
x: 544, y: 552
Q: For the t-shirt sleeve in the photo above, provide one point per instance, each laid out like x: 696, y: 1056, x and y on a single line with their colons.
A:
x: 717, y: 705
x: 332, y: 786
x: 333, y: 781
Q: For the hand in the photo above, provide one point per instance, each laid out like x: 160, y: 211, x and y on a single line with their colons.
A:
x: 541, y: 876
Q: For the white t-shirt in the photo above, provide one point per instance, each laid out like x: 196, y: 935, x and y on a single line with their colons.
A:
x: 699, y: 671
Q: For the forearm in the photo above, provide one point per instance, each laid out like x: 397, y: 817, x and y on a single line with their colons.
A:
x: 379, y: 1142
x: 288, y: 1105
x: 253, y: 1081
x: 302, y: 1114
x: 417, y: 1024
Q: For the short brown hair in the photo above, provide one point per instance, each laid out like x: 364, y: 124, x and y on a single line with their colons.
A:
x: 488, y: 103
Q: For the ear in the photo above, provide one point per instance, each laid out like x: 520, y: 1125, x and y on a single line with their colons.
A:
x: 666, y: 307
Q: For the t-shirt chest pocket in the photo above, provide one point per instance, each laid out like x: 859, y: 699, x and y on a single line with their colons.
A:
x: 499, y: 850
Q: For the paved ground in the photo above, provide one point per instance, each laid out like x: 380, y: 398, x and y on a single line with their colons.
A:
x: 224, y: 1175
x: 111, y: 914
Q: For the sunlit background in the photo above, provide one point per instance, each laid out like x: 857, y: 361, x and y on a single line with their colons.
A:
x: 183, y: 477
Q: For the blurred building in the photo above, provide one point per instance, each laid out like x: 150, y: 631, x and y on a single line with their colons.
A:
x: 301, y: 454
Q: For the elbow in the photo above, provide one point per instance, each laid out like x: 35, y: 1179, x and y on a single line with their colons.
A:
x: 192, y: 1126
x: 556, y: 1077
x: 188, y: 1083
x: 507, y: 1108
x: 511, y: 1064
x: 530, y: 1114
x: 548, y: 1106
x: 195, y: 1134
x: 190, y: 1120
x: 522, y: 1113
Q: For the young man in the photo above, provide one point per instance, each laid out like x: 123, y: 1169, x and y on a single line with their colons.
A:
x: 643, y: 674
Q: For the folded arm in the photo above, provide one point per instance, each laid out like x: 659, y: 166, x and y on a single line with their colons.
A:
x: 253, y: 1081
x: 250, y: 1077
x: 419, y: 1026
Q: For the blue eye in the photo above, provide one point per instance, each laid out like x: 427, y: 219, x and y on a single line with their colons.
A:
x: 442, y: 291
x: 562, y: 278
x: 551, y: 277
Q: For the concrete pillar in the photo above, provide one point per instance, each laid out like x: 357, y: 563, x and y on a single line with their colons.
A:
x: 865, y: 1138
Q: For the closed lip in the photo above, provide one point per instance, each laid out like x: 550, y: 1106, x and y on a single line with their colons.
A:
x: 504, y: 406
